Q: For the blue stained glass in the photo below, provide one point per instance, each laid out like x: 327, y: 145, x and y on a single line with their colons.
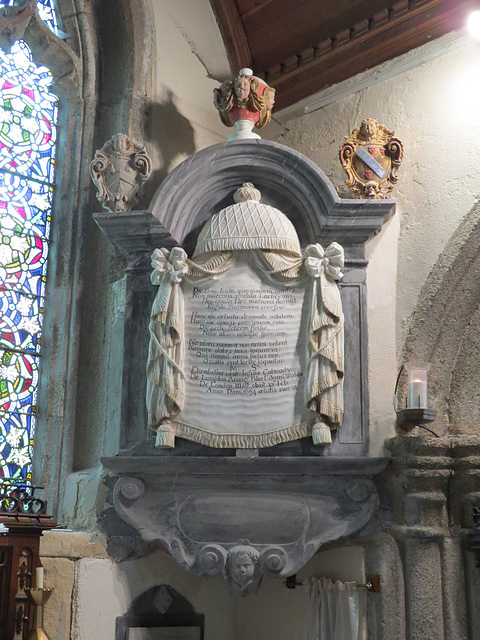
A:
x: 46, y: 11
x: 28, y: 117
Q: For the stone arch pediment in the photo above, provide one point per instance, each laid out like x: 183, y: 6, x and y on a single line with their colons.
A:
x: 288, y: 181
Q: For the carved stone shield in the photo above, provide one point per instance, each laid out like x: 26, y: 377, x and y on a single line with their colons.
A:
x: 119, y: 170
x: 371, y: 156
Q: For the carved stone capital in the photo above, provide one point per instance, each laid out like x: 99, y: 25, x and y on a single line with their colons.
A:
x: 436, y: 480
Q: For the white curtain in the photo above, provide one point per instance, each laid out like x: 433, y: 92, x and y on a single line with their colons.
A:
x: 332, y: 610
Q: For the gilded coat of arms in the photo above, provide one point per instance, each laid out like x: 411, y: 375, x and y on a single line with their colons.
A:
x: 371, y: 157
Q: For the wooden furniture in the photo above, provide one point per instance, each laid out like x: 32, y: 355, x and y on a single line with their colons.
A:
x: 25, y: 516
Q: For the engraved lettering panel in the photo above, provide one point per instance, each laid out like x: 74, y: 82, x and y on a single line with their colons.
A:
x: 244, y: 355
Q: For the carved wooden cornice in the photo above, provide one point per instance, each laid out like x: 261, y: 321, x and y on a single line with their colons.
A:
x: 351, y: 45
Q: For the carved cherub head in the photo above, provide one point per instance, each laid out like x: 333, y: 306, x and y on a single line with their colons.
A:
x: 368, y: 128
x: 120, y: 142
x: 241, y: 569
x: 242, y: 87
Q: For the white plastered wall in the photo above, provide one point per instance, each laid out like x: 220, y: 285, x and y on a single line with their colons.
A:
x: 101, y: 590
x: 190, y: 53
x: 433, y: 109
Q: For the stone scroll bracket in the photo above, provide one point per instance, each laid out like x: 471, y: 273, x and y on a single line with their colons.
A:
x: 277, y: 512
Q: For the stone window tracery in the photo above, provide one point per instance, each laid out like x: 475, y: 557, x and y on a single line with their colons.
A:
x: 46, y: 11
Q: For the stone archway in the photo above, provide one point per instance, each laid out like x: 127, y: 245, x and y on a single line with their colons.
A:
x: 444, y: 330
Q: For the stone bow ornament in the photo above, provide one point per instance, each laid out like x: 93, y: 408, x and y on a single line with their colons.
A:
x: 329, y: 262
x: 173, y: 263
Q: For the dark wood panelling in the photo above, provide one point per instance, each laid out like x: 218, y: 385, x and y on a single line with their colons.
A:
x: 233, y: 34
x: 304, y: 46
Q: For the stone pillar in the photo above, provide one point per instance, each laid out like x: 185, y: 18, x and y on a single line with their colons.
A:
x: 465, y: 494
x: 430, y: 541
x: 385, y: 610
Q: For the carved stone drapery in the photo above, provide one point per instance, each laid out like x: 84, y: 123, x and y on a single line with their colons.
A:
x: 323, y: 386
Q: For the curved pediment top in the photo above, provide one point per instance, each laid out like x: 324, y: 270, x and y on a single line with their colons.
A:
x: 289, y: 181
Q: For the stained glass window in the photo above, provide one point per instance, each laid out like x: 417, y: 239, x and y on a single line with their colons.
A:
x: 46, y: 11
x: 28, y: 117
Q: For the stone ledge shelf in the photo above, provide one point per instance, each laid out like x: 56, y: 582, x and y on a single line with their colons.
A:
x: 283, y: 508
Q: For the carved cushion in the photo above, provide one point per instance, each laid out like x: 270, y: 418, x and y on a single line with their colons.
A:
x: 248, y: 224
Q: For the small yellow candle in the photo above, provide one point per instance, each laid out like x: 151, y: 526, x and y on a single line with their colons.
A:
x: 39, y: 578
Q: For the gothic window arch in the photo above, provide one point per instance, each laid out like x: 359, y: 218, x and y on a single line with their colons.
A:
x: 29, y: 113
x: 95, y: 101
x: 28, y: 137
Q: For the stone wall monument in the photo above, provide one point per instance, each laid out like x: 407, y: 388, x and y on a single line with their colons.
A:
x: 246, y: 346
x: 215, y: 510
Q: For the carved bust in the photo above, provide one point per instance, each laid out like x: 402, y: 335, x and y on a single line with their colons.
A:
x: 241, y: 570
x: 244, y: 98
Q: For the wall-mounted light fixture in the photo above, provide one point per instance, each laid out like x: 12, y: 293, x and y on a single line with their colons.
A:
x: 473, y: 24
x: 417, y: 412
x: 417, y: 384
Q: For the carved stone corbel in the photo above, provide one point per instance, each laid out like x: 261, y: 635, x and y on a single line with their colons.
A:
x: 248, y: 527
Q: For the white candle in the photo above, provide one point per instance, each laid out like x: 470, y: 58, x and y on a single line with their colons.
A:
x: 39, y: 578
x: 417, y: 394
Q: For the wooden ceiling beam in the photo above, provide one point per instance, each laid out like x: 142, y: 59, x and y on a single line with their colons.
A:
x: 342, y: 56
x: 233, y: 34
x: 350, y: 42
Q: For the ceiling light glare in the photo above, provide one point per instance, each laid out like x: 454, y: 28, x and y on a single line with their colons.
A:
x: 473, y: 24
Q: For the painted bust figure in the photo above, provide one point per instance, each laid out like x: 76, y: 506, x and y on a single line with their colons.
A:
x: 244, y: 98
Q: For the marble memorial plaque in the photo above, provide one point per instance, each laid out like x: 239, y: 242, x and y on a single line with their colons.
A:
x: 244, y: 355
x: 247, y: 334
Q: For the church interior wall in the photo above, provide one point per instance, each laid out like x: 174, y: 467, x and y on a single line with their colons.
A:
x: 432, y: 110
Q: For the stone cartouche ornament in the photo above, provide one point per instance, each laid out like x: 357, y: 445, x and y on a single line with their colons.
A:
x: 244, y: 102
x: 119, y: 170
x: 371, y: 157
